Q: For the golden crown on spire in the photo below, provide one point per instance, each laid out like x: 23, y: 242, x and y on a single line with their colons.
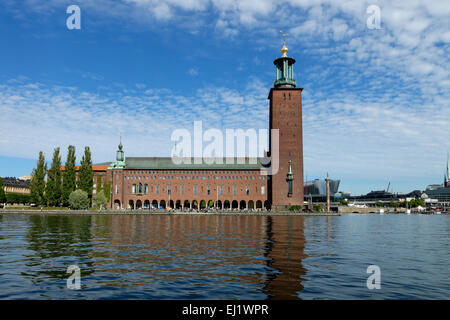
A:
x: 284, y: 50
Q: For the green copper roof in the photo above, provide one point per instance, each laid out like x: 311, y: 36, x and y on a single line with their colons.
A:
x: 102, y: 164
x: 167, y: 163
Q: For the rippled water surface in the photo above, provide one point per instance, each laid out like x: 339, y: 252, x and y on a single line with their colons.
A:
x: 224, y: 257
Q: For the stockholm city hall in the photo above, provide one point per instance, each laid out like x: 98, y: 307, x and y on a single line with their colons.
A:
x: 157, y: 182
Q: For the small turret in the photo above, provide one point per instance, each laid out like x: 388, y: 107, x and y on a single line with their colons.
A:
x: 289, y: 179
x: 120, y: 157
x: 120, y: 154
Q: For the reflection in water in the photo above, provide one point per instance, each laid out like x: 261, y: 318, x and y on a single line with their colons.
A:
x: 50, y: 238
x: 158, y: 256
x: 223, y: 257
x: 285, y: 247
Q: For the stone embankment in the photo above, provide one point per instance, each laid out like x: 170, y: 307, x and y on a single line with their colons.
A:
x: 166, y: 212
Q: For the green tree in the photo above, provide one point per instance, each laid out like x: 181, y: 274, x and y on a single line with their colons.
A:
x: 2, y: 192
x: 344, y: 202
x: 17, y: 198
x: 318, y: 208
x: 100, y: 200
x: 86, y: 174
x: 420, y: 202
x: 54, y: 178
x: 393, y: 204
x: 69, y: 176
x: 79, y: 200
x: 414, y: 203
x: 37, y: 183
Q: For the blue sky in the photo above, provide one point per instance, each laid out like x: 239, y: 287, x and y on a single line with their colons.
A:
x: 375, y: 101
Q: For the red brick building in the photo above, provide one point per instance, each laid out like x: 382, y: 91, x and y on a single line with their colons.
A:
x: 159, y: 182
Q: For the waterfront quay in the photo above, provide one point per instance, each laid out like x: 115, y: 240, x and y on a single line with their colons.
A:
x: 165, y: 212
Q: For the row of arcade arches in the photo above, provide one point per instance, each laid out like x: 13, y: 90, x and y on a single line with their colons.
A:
x: 193, y: 204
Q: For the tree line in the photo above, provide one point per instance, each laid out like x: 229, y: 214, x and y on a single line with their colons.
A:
x: 62, y: 188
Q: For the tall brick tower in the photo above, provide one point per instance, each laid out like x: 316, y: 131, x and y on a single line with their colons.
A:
x: 286, y: 186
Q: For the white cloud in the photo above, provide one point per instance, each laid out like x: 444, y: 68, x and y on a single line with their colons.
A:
x: 350, y: 135
x: 193, y: 72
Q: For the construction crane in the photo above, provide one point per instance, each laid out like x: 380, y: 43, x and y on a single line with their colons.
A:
x: 389, y: 184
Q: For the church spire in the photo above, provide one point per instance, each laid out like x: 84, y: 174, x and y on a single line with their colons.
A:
x: 447, y: 173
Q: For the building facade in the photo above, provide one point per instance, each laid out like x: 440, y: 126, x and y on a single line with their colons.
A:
x: 316, y: 190
x: 16, y: 185
x: 157, y: 182
x: 441, y: 192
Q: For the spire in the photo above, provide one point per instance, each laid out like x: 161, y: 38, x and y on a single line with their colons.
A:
x: 175, y: 152
x: 120, y: 154
x: 284, y: 50
x: 447, y: 174
x: 284, y: 76
x: 120, y: 144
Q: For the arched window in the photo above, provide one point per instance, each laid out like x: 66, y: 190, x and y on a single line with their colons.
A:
x: 263, y: 190
x: 117, y: 189
x: 208, y: 190
x: 146, y: 189
x: 140, y: 188
x: 247, y: 190
x: 234, y: 189
x: 133, y: 190
x: 157, y: 189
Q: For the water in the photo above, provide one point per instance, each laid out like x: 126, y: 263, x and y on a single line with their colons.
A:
x: 224, y: 257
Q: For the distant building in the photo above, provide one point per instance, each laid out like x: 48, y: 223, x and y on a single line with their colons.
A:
x: 434, y: 186
x: 99, y: 175
x: 379, y: 195
x: 15, y: 185
x: 441, y: 192
x: 316, y: 190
